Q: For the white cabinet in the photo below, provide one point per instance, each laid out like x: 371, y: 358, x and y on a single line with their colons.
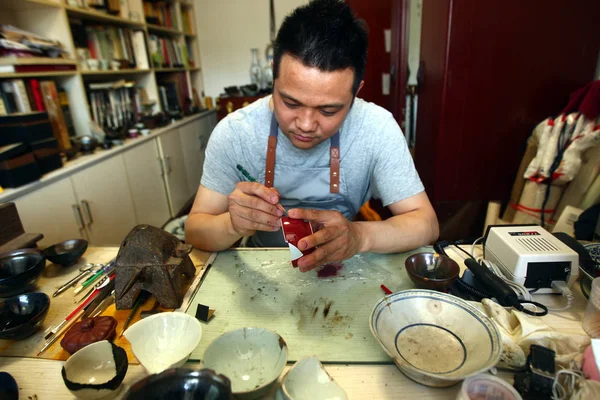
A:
x: 106, y: 203
x: 145, y: 175
x: 194, y: 138
x: 52, y: 211
x: 176, y: 180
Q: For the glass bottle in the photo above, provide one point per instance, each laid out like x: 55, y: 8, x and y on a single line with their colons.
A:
x: 255, y: 70
x: 267, y: 78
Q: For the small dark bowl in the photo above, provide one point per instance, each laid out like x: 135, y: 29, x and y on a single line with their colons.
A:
x: 20, y: 270
x: 66, y: 253
x: 179, y: 383
x: 8, y: 387
x: 432, y: 271
x: 21, y: 316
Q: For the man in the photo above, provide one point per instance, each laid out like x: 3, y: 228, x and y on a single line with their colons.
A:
x: 316, y: 149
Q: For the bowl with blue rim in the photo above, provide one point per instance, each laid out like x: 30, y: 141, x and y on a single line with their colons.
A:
x: 434, y: 338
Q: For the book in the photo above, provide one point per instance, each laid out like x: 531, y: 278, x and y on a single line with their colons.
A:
x: 55, y: 113
x: 8, y: 95
x: 37, y: 94
x: 20, y: 95
x: 139, y: 50
x: 2, y: 107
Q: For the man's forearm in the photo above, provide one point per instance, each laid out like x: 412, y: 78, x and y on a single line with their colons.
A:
x: 210, y: 232
x: 400, y: 233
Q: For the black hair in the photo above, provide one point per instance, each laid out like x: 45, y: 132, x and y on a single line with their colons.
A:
x: 324, y: 34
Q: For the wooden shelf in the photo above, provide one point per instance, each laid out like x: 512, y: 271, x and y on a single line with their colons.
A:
x: 190, y: 35
x: 35, y: 61
x: 44, y: 74
x: 93, y: 15
x: 30, y: 4
x: 194, y: 69
x: 169, y: 69
x: 161, y: 29
x: 131, y: 71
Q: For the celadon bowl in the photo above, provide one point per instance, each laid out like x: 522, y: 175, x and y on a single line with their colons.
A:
x: 164, y: 340
x: 308, y: 380
x: 434, y: 338
x: 252, y: 359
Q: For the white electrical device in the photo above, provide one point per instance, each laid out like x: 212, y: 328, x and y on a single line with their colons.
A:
x: 531, y: 256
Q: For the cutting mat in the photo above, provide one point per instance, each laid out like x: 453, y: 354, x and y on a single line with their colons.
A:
x: 326, y: 317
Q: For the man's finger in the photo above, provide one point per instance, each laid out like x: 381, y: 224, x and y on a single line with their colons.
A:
x: 254, y: 202
x: 320, y: 237
x: 256, y: 216
x: 260, y: 190
x: 312, y: 215
x: 322, y: 255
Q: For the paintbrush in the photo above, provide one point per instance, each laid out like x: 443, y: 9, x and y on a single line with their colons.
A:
x: 251, y: 179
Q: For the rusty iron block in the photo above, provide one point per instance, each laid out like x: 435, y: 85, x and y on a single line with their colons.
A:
x: 153, y: 260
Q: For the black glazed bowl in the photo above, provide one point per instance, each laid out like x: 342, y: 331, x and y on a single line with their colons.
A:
x: 66, y: 253
x: 20, y: 270
x: 8, y: 387
x: 21, y: 316
x: 432, y: 271
x: 180, y: 383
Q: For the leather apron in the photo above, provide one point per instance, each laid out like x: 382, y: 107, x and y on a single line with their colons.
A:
x: 318, y: 188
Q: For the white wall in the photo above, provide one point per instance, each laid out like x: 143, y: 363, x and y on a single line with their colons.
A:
x: 227, y: 30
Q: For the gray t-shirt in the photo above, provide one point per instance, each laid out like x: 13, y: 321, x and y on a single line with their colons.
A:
x: 374, y: 159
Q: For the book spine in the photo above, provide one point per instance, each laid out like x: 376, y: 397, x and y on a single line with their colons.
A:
x: 55, y: 114
x: 21, y: 95
x: 37, y: 95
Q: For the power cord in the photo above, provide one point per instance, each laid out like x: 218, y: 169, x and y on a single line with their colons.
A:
x: 561, y: 286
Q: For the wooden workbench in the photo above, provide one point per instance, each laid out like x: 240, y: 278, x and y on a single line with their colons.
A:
x: 360, y: 381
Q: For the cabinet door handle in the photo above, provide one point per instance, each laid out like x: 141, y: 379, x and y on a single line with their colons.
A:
x: 88, y: 211
x: 78, y: 217
x: 162, y: 168
x: 168, y: 164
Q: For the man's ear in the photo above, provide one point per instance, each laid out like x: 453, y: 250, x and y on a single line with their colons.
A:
x: 362, y: 83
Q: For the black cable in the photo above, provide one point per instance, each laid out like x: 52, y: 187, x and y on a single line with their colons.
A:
x: 529, y: 312
x: 464, y: 251
x: 472, y: 290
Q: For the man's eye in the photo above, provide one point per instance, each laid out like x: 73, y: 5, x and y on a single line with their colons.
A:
x: 290, y: 105
x: 328, y: 113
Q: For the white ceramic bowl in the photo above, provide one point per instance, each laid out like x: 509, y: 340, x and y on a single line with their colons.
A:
x: 434, y: 338
x: 308, y: 380
x: 96, y: 371
x: 164, y: 340
x: 252, y: 359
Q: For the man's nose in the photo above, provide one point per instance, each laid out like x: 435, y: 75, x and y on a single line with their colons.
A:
x: 306, y: 121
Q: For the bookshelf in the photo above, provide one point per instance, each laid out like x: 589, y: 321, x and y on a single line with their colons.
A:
x: 64, y: 20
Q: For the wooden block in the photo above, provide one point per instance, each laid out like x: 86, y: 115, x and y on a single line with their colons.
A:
x: 10, y: 222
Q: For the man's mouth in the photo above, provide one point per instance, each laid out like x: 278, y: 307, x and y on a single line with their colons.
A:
x: 301, y: 138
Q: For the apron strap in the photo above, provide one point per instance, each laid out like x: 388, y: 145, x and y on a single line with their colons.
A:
x: 334, y: 158
x: 271, y: 147
x: 334, y: 164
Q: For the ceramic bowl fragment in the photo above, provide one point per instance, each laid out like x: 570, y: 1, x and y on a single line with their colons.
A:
x: 252, y: 359
x: 434, y: 338
x: 96, y: 371
x: 308, y: 380
x: 164, y: 340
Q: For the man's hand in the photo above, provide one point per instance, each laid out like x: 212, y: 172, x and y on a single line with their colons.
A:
x: 252, y: 207
x: 337, y: 238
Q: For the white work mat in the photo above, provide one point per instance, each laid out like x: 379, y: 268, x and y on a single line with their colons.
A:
x: 326, y: 317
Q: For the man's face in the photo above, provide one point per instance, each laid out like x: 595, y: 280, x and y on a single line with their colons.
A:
x: 310, y: 105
